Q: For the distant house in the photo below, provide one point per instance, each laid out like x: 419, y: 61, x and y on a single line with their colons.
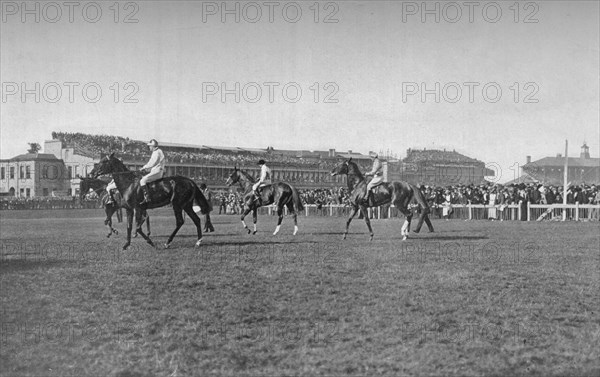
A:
x: 32, y: 174
x: 550, y: 170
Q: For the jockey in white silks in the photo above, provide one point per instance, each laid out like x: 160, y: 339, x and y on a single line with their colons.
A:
x: 111, y: 186
x: 153, y: 170
x: 265, y: 178
x: 376, y: 172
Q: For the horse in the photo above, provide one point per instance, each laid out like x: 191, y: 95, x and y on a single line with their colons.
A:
x: 99, y: 187
x: 401, y: 194
x: 280, y: 193
x: 180, y: 192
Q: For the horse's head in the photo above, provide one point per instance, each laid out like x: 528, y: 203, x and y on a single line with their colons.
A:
x: 234, y: 177
x: 341, y: 169
x: 83, y: 188
x: 107, y: 165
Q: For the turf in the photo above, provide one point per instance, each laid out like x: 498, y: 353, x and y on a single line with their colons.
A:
x: 473, y: 298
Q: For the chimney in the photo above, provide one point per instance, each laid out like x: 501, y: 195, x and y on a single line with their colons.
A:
x: 332, y: 153
x: 349, y: 151
x: 585, y: 151
x: 528, y: 159
x: 558, y: 155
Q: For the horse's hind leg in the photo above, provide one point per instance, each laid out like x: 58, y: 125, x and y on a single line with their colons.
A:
x: 280, y: 218
x: 290, y: 207
x: 190, y: 212
x: 407, y: 219
x: 254, y: 218
x: 148, y: 223
x: 178, y: 224
x: 244, y: 214
x: 365, y: 214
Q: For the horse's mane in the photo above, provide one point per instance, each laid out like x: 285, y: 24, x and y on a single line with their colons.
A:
x: 248, y: 176
x: 353, y: 169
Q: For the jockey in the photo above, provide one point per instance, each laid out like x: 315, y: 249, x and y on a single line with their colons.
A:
x: 153, y: 170
x: 376, y: 172
x: 111, y: 186
x: 265, y: 178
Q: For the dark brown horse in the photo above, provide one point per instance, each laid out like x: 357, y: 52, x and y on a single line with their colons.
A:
x: 282, y: 194
x: 180, y: 192
x: 401, y: 194
x: 110, y: 208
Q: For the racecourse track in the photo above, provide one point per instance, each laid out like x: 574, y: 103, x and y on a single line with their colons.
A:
x: 473, y: 298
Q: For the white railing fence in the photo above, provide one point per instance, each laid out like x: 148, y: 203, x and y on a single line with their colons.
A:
x: 510, y: 212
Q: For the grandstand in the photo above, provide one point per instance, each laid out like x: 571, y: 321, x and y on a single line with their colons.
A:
x: 203, y: 163
x: 442, y: 168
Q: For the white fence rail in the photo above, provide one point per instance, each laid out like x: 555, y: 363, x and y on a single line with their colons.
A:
x: 511, y: 212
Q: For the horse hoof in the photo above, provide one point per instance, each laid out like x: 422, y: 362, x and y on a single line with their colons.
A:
x: 254, y: 232
x: 167, y: 245
x: 108, y: 235
x: 125, y: 247
x: 135, y: 235
x: 198, y: 243
x: 371, y: 238
x: 404, y: 238
x: 344, y: 236
x: 116, y: 232
x: 150, y: 243
x: 249, y: 231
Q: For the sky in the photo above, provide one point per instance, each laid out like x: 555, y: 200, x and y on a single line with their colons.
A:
x: 311, y: 75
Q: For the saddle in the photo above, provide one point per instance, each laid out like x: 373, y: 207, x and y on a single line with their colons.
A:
x: 377, y: 192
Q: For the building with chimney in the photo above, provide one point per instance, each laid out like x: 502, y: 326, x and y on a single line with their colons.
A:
x: 550, y: 170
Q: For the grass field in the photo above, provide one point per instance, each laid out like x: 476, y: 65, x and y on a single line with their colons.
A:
x: 474, y: 298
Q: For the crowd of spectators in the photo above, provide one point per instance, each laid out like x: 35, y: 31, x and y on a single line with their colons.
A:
x: 434, y: 155
x: 43, y: 202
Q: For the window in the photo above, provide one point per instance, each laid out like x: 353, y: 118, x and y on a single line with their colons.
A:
x: 69, y: 172
x: 12, y: 172
x: 28, y: 191
x: 2, y: 172
x: 21, y: 172
x: 45, y: 191
x: 21, y: 192
x: 69, y: 191
x: 27, y: 172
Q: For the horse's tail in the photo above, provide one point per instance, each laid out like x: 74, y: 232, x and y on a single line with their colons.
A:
x: 296, y: 198
x: 420, y: 198
x: 200, y: 200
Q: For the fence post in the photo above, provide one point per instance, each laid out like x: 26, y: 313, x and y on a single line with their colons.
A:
x: 270, y: 210
x: 470, y: 211
x: 379, y: 212
x: 330, y: 210
x: 306, y: 211
x: 576, y: 211
x: 528, y: 211
x: 519, y: 211
x: 389, y: 212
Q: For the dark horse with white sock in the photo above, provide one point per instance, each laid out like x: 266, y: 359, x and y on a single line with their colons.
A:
x: 180, y: 192
x: 282, y: 194
x: 401, y: 194
x: 110, y: 208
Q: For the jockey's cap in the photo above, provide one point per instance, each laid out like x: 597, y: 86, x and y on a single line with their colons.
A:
x: 153, y: 143
x: 261, y: 162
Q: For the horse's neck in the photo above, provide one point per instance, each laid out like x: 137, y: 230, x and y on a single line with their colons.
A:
x: 247, y: 180
x: 354, y: 178
x: 122, y: 179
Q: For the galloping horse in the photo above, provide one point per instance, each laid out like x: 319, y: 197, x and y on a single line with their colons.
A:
x: 280, y: 193
x: 401, y: 194
x: 99, y: 187
x: 178, y: 191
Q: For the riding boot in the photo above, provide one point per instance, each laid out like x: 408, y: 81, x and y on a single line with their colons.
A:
x: 146, y: 195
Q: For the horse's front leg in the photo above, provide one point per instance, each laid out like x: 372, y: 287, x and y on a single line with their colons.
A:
x: 352, y: 214
x: 254, y: 218
x: 244, y: 214
x: 148, y: 224
x: 280, y: 218
x: 129, y: 227
x: 139, y: 222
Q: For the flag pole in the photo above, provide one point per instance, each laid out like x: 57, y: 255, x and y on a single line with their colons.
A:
x: 565, y: 177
